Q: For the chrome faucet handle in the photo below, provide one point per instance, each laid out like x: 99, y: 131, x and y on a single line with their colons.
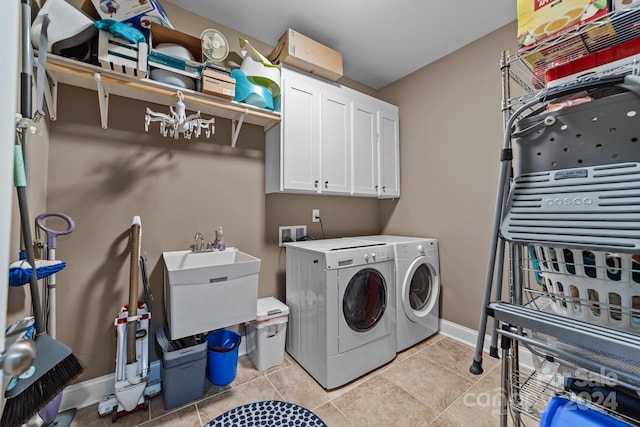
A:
x: 198, y: 242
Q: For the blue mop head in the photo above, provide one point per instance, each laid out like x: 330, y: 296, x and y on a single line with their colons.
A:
x: 20, y: 271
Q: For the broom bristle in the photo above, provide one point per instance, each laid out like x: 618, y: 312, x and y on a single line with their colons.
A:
x: 19, y: 409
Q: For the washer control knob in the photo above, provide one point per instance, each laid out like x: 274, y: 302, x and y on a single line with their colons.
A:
x: 421, y: 249
x: 366, y: 257
x: 373, y: 256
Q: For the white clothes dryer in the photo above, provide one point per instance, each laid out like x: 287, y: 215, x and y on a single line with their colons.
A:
x: 417, y: 277
x: 341, y: 299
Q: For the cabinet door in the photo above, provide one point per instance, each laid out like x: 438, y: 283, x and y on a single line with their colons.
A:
x: 364, y: 149
x: 388, y: 153
x: 336, y: 146
x: 300, y: 134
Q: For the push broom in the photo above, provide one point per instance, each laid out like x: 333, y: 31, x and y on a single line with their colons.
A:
x: 54, y: 366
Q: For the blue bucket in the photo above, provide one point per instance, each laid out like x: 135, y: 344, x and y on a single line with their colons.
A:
x: 561, y: 412
x: 222, y: 356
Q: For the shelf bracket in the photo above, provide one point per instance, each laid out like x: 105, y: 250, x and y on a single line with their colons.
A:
x: 235, y: 127
x: 51, y: 96
x: 103, y: 100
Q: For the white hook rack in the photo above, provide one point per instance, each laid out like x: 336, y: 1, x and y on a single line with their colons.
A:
x: 177, y: 122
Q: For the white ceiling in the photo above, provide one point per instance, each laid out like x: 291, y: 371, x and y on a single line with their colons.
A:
x: 380, y: 41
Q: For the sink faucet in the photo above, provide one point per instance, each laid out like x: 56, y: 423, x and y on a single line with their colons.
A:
x: 198, y: 243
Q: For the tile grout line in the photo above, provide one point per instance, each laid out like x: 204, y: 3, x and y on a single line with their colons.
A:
x: 275, y: 388
x: 343, y: 414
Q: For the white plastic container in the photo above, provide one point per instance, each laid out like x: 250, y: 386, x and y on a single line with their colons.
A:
x: 266, y: 335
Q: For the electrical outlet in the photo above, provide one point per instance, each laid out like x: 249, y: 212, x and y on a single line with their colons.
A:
x: 315, y: 215
x: 291, y: 233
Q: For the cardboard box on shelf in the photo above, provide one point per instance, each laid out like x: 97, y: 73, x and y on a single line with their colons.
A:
x: 541, y: 21
x: 219, y: 84
x: 161, y: 34
x: 302, y: 52
x: 138, y: 13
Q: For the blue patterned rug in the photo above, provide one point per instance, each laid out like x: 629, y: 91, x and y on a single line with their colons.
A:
x: 268, y: 413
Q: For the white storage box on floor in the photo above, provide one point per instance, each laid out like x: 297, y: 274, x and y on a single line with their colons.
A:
x: 266, y: 334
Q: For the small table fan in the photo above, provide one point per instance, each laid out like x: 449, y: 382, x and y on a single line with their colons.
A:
x: 214, y: 45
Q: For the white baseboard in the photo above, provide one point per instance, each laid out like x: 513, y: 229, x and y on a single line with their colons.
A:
x: 92, y: 391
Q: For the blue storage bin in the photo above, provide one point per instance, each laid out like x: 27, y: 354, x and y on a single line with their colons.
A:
x: 561, y: 412
x: 222, y: 356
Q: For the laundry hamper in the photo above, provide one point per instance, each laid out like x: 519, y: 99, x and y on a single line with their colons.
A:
x: 597, y: 287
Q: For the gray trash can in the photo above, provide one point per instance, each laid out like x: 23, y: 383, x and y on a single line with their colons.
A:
x: 183, y: 373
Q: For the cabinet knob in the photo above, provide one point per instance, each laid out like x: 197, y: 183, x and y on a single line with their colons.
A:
x: 315, y: 183
x: 326, y: 184
x: 376, y: 188
x: 384, y: 188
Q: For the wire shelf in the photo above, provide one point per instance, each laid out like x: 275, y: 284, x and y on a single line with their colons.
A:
x: 528, y: 66
x: 574, y: 270
x: 530, y: 392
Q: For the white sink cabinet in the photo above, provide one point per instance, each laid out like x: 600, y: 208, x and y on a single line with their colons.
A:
x: 204, y: 291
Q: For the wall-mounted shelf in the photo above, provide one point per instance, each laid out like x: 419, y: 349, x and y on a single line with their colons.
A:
x: 105, y: 82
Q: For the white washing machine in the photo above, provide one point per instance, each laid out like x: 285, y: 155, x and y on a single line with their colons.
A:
x: 417, y: 266
x: 341, y: 299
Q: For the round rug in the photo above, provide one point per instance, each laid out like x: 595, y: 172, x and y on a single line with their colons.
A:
x: 268, y: 413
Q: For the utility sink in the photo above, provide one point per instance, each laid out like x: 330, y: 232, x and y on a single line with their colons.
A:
x: 205, y: 291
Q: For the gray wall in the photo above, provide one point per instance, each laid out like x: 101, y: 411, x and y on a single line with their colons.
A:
x: 450, y: 141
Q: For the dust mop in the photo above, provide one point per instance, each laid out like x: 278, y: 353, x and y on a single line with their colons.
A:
x: 132, y: 347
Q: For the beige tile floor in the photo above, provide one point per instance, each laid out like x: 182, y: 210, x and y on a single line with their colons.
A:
x: 426, y: 385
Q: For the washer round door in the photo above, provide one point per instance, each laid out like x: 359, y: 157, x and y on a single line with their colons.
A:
x: 363, y: 305
x: 420, y: 289
x: 364, y: 300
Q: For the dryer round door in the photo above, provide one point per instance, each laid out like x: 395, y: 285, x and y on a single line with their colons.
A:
x: 420, y: 289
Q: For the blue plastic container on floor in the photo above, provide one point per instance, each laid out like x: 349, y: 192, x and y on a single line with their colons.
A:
x: 561, y: 412
x: 222, y: 356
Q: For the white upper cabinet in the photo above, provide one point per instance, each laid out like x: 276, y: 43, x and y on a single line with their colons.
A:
x: 310, y: 152
x: 335, y: 142
x: 301, y: 134
x: 388, y: 152
x: 364, y: 139
x: 375, y: 141
x: 332, y: 140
